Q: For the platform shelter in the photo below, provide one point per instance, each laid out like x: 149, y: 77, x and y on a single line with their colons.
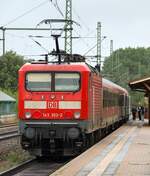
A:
x: 7, y: 104
x: 142, y: 85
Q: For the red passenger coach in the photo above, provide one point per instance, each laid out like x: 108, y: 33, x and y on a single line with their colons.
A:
x: 64, y: 108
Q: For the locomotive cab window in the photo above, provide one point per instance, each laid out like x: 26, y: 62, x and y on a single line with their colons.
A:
x: 52, y: 81
x: 67, y: 81
x: 38, y: 81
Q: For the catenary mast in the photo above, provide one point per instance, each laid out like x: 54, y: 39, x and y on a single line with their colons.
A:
x: 68, y: 27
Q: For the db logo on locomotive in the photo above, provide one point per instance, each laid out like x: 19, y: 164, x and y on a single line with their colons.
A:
x: 52, y: 105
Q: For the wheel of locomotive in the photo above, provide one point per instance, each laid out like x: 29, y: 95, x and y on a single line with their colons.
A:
x: 87, y: 141
x: 104, y: 132
x: 92, y: 139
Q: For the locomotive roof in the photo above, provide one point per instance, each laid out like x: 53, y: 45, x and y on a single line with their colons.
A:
x: 60, y: 67
x: 108, y: 83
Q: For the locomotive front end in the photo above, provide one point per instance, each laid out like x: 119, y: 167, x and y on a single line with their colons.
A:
x: 52, y: 108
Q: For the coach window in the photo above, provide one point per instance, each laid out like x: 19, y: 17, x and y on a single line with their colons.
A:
x: 67, y: 81
x: 104, y: 98
x: 38, y: 81
x: 121, y: 100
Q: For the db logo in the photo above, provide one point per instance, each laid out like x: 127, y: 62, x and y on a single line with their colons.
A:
x: 52, y: 105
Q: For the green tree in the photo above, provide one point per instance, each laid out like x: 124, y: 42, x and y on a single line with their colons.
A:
x: 128, y: 64
x: 9, y: 66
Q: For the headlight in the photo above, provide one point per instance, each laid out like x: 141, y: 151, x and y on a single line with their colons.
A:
x: 28, y: 115
x: 77, y: 115
x: 30, y: 133
x: 73, y: 133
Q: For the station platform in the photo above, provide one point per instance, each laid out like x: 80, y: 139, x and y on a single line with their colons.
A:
x: 125, y: 152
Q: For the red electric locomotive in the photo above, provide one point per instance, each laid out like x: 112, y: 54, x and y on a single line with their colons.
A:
x: 64, y: 108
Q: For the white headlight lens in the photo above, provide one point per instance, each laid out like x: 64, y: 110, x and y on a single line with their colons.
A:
x: 77, y: 115
x: 27, y: 115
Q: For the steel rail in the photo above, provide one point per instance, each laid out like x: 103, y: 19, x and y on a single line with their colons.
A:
x: 8, y: 135
x: 17, y: 168
x: 34, y: 167
x: 8, y: 125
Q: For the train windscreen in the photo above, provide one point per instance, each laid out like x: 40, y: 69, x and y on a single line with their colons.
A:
x: 53, y: 81
x: 67, y: 81
x: 38, y: 81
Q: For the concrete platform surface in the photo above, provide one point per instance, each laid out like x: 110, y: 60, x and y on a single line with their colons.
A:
x: 125, y: 152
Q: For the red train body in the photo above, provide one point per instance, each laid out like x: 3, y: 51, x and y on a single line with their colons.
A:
x: 65, y: 107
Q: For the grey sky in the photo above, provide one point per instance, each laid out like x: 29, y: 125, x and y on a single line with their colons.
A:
x: 127, y: 22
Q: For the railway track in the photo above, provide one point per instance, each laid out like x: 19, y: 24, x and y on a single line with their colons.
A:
x: 8, y: 131
x: 8, y: 125
x: 17, y: 168
x: 35, y: 167
x: 8, y: 135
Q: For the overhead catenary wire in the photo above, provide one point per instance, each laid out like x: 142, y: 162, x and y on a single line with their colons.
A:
x: 93, y: 46
x: 39, y: 44
x: 39, y: 36
x: 81, y: 20
x: 26, y: 13
x: 84, y: 24
x: 74, y: 37
x: 82, y: 39
x: 17, y: 36
x: 57, y: 7
x: 90, y: 49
